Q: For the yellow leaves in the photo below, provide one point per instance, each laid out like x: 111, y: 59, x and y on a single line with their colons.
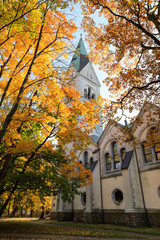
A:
x: 130, y: 2
x: 47, y: 109
x: 71, y: 93
x: 120, y: 45
x: 76, y: 170
x: 116, y: 68
x: 24, y: 146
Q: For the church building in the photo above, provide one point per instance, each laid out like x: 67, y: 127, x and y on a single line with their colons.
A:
x: 126, y: 170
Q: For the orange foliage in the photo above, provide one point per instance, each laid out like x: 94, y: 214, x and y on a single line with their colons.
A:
x: 127, y: 48
x: 38, y: 105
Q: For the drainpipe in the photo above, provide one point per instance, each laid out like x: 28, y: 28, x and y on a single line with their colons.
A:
x: 141, y: 186
x: 100, y: 180
x: 101, y: 187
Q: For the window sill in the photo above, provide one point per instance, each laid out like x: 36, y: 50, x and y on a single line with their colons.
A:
x: 150, y: 166
x: 113, y: 173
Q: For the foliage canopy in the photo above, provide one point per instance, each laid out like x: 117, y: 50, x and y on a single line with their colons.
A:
x: 127, y: 47
x: 38, y: 105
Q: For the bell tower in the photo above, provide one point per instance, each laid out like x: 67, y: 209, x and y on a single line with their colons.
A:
x: 85, y: 80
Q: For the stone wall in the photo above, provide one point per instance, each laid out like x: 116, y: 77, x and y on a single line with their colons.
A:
x: 136, y: 219
x: 79, y: 216
x: 53, y: 215
x: 120, y: 217
x: 62, y: 216
x: 115, y: 217
x: 154, y: 217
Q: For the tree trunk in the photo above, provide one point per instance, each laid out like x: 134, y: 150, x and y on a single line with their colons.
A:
x: 42, y: 214
x: 31, y: 213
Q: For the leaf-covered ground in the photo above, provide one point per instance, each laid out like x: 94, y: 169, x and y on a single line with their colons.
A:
x: 47, y: 229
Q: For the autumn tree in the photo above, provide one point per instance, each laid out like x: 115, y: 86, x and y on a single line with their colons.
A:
x: 38, y: 104
x: 127, y: 47
x: 47, y: 175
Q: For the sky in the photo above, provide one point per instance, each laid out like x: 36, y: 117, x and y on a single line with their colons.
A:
x: 77, y: 16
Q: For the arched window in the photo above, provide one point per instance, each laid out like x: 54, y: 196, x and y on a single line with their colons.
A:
x: 108, y: 162
x: 85, y: 159
x: 115, y: 156
x: 83, y: 198
x: 147, y: 152
x: 153, y: 138
x: 157, y: 151
x: 90, y: 161
x: 85, y: 93
x: 89, y: 93
x: 123, y: 153
x: 93, y: 96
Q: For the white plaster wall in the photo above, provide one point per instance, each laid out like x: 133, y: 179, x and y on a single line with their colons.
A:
x: 108, y: 186
x: 67, y: 206
x: 88, y: 72
x: 96, y: 188
x: 77, y: 200
x: 83, y: 80
x: 150, y: 183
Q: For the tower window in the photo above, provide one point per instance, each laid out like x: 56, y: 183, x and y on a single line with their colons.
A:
x: 90, y: 161
x: 93, y: 96
x: 85, y: 159
x: 89, y: 93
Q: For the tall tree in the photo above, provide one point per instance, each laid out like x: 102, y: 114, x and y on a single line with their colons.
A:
x: 127, y: 47
x: 38, y: 105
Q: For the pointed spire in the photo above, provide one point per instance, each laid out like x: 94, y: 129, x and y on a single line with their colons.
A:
x: 80, y: 57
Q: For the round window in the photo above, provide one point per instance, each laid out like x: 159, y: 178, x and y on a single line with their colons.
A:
x: 117, y: 196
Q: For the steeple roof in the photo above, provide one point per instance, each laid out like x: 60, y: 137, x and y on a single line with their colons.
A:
x: 80, y: 57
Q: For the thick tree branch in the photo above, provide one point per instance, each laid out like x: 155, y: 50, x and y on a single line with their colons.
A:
x: 145, y: 87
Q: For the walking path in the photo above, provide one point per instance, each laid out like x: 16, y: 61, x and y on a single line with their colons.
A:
x: 27, y: 236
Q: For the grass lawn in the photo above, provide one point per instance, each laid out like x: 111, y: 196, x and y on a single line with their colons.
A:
x: 48, y: 227
x: 144, y: 230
